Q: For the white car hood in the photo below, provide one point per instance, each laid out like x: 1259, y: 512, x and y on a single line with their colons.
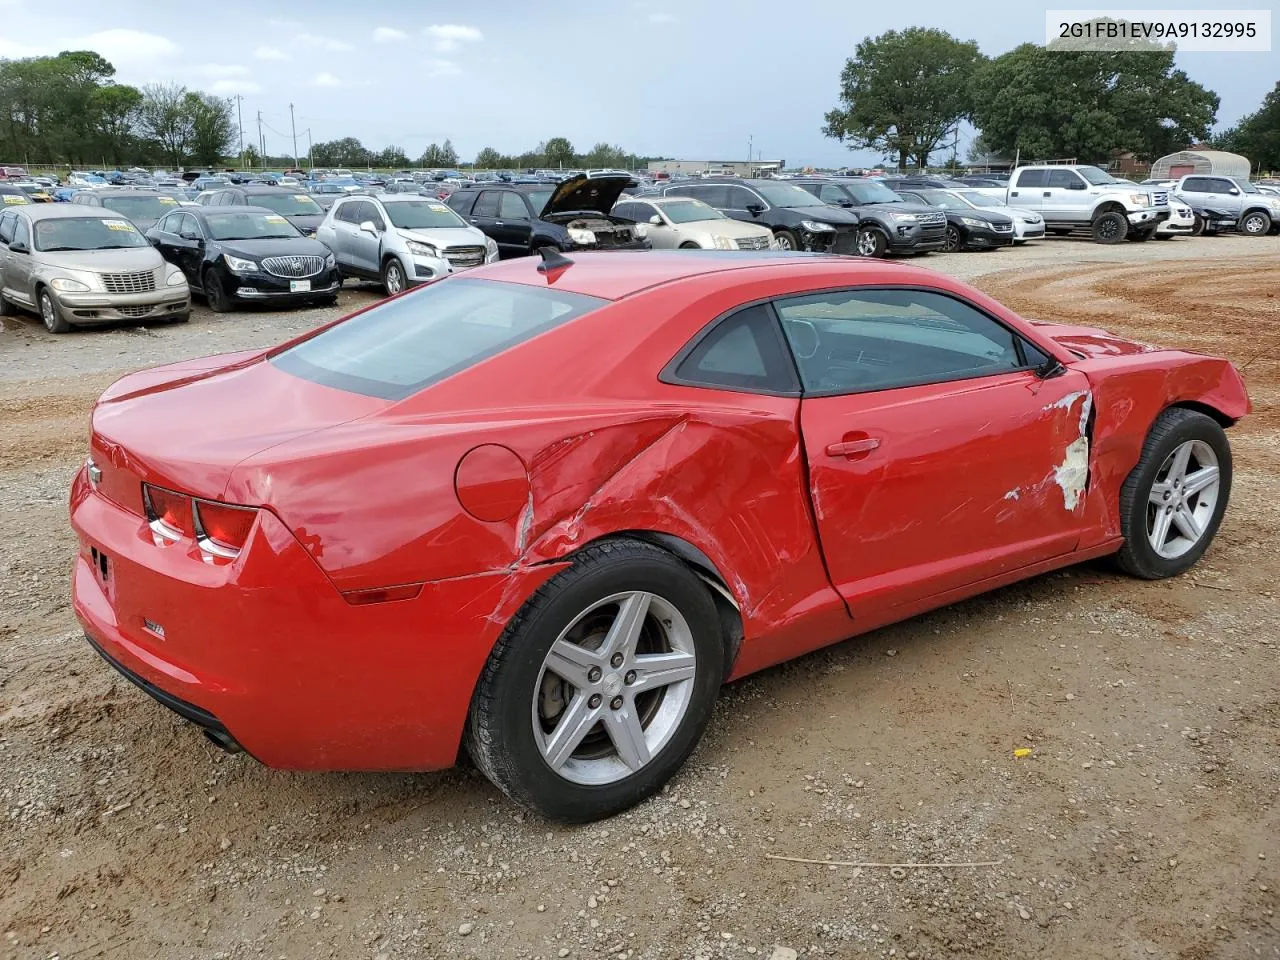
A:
x: 443, y: 237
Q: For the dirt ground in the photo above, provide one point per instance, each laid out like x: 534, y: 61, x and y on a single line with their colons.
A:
x: 1143, y: 824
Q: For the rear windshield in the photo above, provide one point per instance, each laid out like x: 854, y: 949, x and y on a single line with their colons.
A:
x: 287, y: 204
x: 406, y: 344
x: 141, y: 208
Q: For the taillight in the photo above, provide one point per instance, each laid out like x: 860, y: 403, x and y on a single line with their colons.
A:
x: 169, y: 513
x: 223, y: 529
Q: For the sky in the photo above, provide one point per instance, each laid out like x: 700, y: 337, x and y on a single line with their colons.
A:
x: 690, y: 79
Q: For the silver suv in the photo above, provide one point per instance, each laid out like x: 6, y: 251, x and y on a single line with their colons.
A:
x: 75, y: 265
x: 401, y: 239
x: 1217, y: 199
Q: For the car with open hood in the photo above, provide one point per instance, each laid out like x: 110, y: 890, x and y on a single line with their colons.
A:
x: 575, y: 214
x: 402, y: 239
x: 295, y: 206
x: 237, y: 255
x: 75, y: 265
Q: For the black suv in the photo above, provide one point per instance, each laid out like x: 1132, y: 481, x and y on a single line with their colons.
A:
x: 887, y: 223
x: 292, y: 204
x: 571, y: 215
x: 798, y: 219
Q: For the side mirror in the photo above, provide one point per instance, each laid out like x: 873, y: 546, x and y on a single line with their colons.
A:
x: 755, y: 209
x: 19, y: 247
x: 656, y: 220
x: 1234, y: 191
x: 366, y: 226
x: 846, y: 203
x: 1075, y: 185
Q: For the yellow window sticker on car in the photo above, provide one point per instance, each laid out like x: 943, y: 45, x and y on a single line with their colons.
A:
x: 438, y: 207
x: 124, y: 226
x: 276, y: 218
x: 169, y: 201
x: 14, y: 198
x: 301, y: 196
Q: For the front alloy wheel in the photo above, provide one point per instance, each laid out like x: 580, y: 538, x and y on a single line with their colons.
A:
x: 1182, y: 500
x: 51, y: 315
x: 1256, y: 224
x: 601, y: 685
x: 392, y: 277
x: 954, y: 242
x: 870, y: 243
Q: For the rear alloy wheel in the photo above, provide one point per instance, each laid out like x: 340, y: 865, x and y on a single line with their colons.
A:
x: 1110, y: 227
x: 393, y: 281
x: 214, y: 294
x: 786, y: 240
x: 51, y: 314
x: 1255, y: 224
x: 870, y: 243
x: 1173, y: 501
x: 601, y: 685
x: 954, y: 242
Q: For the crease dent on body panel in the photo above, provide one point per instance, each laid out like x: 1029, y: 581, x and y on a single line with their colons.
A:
x: 1072, y: 474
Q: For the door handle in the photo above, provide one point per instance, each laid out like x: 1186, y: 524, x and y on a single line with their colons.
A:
x: 1013, y: 193
x: 498, y: 223
x: 1048, y: 194
x: 853, y: 448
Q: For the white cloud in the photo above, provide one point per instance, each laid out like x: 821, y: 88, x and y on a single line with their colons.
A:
x: 388, y: 35
x: 270, y: 53
x: 123, y: 48
x: 442, y: 68
x: 326, y: 79
x: 661, y: 18
x: 324, y: 43
x: 228, y: 87
x: 222, y: 70
x: 449, y: 36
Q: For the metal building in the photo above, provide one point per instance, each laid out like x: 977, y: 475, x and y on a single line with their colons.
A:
x: 1185, y: 162
x: 730, y: 168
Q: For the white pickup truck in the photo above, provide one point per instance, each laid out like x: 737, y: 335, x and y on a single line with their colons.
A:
x: 1078, y: 198
x: 1218, y: 200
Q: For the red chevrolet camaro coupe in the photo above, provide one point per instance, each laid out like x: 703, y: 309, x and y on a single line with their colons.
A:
x: 544, y: 509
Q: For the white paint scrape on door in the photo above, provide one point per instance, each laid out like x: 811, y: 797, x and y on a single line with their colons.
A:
x: 1073, y: 473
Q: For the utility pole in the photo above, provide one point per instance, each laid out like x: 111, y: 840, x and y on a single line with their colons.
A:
x: 750, y: 144
x: 240, y: 124
x: 294, y: 128
x: 262, y: 144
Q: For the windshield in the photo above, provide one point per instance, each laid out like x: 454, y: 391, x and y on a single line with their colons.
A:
x: 140, y: 208
x: 343, y: 181
x: 404, y: 345
x: 785, y: 195
x: 249, y: 226
x: 287, y: 204
x: 86, y: 233
x: 941, y: 198
x: 1247, y: 187
x: 690, y: 211
x: 538, y: 198
x: 979, y: 199
x: 866, y: 191
x: 1096, y: 175
x: 422, y: 215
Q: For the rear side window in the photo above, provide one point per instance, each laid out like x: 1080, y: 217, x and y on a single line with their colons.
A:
x: 742, y: 352
x: 487, y: 205
x: 461, y: 202
x: 1033, y: 178
x: 407, y: 344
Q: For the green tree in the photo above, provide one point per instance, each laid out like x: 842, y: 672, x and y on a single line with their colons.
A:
x: 448, y: 155
x: 213, y: 127
x: 557, y: 152
x: 488, y: 159
x: 163, y: 117
x: 392, y: 157
x: 252, y: 158
x: 114, y: 112
x: 1257, y: 136
x: 902, y: 93
x: 346, y: 152
x: 1046, y: 104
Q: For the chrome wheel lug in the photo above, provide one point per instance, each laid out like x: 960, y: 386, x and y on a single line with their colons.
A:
x: 594, y: 674
x: 630, y: 678
x: 616, y: 703
x: 616, y: 660
x: 594, y: 700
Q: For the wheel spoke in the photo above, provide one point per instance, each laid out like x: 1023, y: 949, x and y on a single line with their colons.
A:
x: 1201, y: 479
x: 1160, y: 493
x: 1187, y: 524
x: 1161, y: 532
x: 625, y: 630
x: 623, y: 727
x: 571, y: 662
x: 656, y: 670
x: 1178, y: 469
x: 574, y: 724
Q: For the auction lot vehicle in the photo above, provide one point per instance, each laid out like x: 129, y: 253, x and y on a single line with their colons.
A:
x: 968, y: 227
x: 574, y: 214
x: 74, y: 266
x: 237, y: 255
x: 143, y: 208
x: 886, y: 222
x: 401, y: 240
x: 1071, y: 197
x: 798, y: 219
x: 1182, y: 221
x: 296, y: 207
x: 1224, y: 202
x: 547, y: 507
x: 689, y: 224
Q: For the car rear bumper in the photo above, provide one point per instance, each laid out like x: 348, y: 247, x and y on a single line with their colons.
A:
x: 266, y: 654
x: 87, y: 308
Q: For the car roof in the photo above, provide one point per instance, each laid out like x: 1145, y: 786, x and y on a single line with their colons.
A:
x: 612, y: 275
x: 118, y: 192
x: 51, y: 211
x: 203, y: 212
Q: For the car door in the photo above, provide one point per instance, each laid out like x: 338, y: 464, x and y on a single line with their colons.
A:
x: 1066, y: 196
x: 514, y: 226
x: 8, y: 223
x: 344, y: 227
x: 189, y: 249
x: 1219, y: 196
x: 1027, y: 191
x: 834, y: 194
x: 484, y: 215
x: 18, y: 268
x: 366, y: 248
x: 940, y: 453
x: 736, y: 199
x: 662, y: 235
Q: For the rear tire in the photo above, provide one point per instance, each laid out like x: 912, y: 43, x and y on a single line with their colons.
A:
x: 1154, y: 505
x: 620, y: 754
x: 51, y: 314
x: 1110, y: 227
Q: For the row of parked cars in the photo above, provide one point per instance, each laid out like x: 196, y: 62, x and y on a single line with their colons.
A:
x: 114, y: 254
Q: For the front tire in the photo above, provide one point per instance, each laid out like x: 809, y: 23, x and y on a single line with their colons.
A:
x: 51, y: 314
x: 871, y: 243
x: 1197, y: 226
x: 954, y: 241
x: 1255, y: 224
x: 393, y: 279
x: 1110, y: 227
x: 601, y: 686
x: 786, y: 240
x: 1172, y: 503
x: 214, y: 295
